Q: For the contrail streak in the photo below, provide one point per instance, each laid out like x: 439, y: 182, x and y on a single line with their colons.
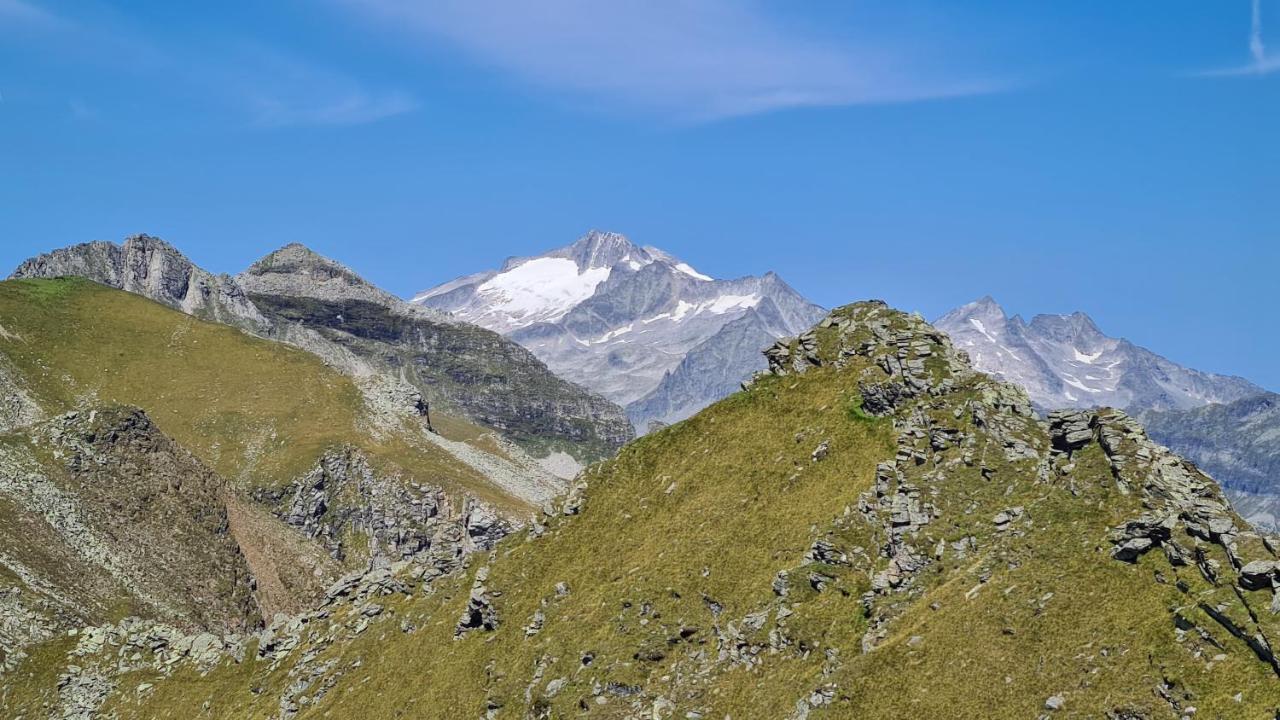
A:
x: 1256, y: 48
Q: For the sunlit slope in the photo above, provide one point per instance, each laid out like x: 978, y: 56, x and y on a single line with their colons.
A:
x: 874, y: 530
x: 259, y: 413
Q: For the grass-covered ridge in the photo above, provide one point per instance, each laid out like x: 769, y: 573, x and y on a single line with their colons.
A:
x: 873, y: 531
x: 697, y: 516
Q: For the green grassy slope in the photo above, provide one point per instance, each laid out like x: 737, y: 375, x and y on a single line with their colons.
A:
x: 257, y: 412
x: 790, y: 553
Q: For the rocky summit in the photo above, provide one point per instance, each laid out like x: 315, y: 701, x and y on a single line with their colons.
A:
x: 635, y: 324
x: 872, y: 528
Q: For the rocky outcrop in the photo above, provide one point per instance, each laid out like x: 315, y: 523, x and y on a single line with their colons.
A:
x: 343, y: 500
x: 151, y: 267
x: 107, y: 512
x: 1226, y: 425
x: 479, y: 613
x: 1237, y: 443
x: 1188, y: 520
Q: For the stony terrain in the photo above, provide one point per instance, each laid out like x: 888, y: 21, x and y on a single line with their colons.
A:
x: 633, y: 323
x: 872, y: 529
x: 402, y: 355
x: 102, y: 515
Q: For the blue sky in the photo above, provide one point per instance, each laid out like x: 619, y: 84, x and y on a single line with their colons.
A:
x: 1119, y: 158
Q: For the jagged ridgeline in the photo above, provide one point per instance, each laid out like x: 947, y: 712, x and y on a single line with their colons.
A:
x: 399, y: 354
x: 872, y: 529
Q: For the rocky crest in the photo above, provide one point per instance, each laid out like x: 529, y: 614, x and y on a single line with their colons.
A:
x: 1238, y: 443
x: 296, y: 271
x: 153, y: 268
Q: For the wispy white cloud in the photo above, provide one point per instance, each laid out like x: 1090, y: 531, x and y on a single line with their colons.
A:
x: 230, y: 77
x: 278, y: 89
x: 1261, y: 63
x: 702, y: 59
x: 356, y: 107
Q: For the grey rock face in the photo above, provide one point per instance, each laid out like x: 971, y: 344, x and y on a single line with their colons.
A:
x: 1238, y: 443
x: 1069, y: 430
x: 711, y: 370
x: 1065, y: 361
x: 149, y: 266
x: 342, y: 497
x: 479, y: 613
x: 632, y: 323
x: 105, y: 511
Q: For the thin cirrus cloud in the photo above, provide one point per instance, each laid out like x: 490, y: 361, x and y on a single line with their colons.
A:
x: 701, y: 59
x: 247, y: 81
x: 1260, y: 62
x: 279, y: 90
x: 356, y: 107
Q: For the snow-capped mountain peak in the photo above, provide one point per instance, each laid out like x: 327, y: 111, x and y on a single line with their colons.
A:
x: 544, y: 288
x: 620, y: 318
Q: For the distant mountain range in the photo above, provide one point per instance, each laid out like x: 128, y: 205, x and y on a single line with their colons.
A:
x: 635, y: 324
x: 1066, y: 361
x: 1226, y: 424
x: 400, y: 354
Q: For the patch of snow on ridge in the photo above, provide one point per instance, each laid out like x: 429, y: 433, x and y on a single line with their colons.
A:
x: 981, y: 328
x: 1074, y: 382
x: 1086, y: 358
x: 688, y: 270
x: 725, y: 303
x: 613, y: 334
x: 542, y: 288
x: 682, y: 309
